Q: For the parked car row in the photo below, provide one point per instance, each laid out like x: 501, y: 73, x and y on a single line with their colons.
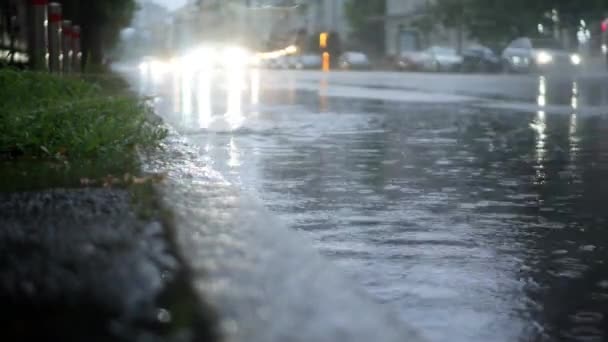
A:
x: 522, y: 55
x: 350, y: 60
x: 435, y: 58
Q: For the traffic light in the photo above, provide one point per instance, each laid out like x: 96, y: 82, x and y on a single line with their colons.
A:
x: 605, y: 25
x: 323, y: 40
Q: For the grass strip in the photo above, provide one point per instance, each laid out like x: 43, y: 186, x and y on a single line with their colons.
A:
x: 56, y: 131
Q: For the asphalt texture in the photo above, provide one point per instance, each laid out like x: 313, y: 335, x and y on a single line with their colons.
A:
x: 81, y: 265
x: 409, y: 185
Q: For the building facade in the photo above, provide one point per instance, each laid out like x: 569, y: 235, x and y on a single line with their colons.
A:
x: 409, y: 26
x: 264, y: 24
x: 326, y: 16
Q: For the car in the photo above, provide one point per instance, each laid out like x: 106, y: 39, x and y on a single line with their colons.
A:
x: 278, y: 63
x: 354, y: 60
x: 308, y: 61
x: 526, y: 55
x: 410, y: 60
x: 435, y: 58
x: 479, y: 58
x: 291, y: 61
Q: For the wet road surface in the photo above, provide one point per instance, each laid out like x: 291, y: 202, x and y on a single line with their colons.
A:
x: 474, y: 218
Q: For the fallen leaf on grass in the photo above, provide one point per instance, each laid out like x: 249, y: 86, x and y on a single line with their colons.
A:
x: 87, y: 181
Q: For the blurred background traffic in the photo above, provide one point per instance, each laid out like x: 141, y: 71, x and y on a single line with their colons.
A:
x: 409, y: 35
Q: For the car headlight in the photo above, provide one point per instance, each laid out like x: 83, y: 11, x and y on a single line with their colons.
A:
x: 576, y: 59
x: 516, y: 60
x: 544, y: 58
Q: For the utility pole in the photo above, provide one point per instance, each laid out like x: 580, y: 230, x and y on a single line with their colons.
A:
x: 38, y: 33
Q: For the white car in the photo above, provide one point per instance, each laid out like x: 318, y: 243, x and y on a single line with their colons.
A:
x: 354, y: 60
x: 308, y: 61
x: 437, y: 58
x: 527, y: 55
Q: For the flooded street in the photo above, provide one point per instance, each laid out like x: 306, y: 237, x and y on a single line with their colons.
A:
x: 473, y: 220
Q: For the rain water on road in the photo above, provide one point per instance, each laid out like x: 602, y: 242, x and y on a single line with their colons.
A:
x: 473, y: 224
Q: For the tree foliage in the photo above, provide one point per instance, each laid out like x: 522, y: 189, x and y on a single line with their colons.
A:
x: 101, y: 22
x: 366, y: 30
x: 497, y: 21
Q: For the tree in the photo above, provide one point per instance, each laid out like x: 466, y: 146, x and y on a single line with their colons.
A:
x: 101, y: 22
x: 362, y: 15
x: 495, y: 22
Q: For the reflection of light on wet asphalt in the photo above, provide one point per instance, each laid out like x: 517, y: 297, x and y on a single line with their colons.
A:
x: 542, y: 92
x: 234, y: 114
x: 236, y: 72
x: 573, y: 138
x: 186, y: 93
x: 323, y: 100
x: 255, y: 86
x: 540, y: 126
x: 255, y: 91
x: 203, y: 99
x: 193, y: 78
x: 233, y: 154
x: 574, y: 101
x: 176, y: 86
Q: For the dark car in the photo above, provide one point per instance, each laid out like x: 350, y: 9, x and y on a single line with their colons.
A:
x: 480, y: 59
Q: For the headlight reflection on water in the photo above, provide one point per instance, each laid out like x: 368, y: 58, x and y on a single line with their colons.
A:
x: 544, y: 58
x: 204, y: 75
x: 576, y: 59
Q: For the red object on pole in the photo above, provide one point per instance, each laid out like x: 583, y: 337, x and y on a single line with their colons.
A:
x: 55, y: 17
x: 605, y: 25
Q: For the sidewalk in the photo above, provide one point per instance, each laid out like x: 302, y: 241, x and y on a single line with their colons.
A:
x: 80, y: 265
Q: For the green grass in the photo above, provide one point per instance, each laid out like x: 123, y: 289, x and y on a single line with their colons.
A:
x: 53, y: 117
x: 57, y: 130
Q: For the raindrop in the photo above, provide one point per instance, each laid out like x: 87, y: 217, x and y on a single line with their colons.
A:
x: 390, y: 162
x: 586, y: 334
x: 163, y: 316
x: 587, y: 248
x: 230, y: 326
x: 603, y: 284
x: 587, y: 317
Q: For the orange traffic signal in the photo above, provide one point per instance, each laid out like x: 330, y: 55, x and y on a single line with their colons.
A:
x: 323, y: 40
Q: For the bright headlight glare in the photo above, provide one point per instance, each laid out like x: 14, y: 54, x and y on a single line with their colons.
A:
x: 576, y: 59
x: 235, y: 57
x: 143, y: 66
x: 544, y: 58
x: 199, y: 59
